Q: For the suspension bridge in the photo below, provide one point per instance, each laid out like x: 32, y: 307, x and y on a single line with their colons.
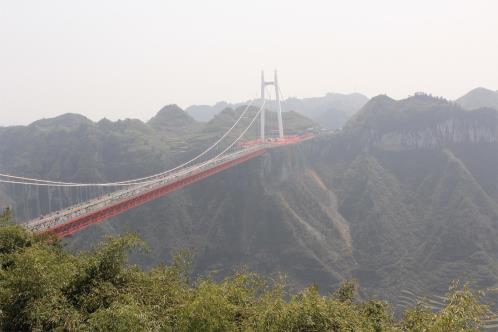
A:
x: 128, y: 194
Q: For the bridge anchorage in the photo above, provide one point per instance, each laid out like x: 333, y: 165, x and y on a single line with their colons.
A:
x: 127, y: 194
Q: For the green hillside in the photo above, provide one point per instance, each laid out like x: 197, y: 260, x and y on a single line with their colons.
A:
x: 45, y: 288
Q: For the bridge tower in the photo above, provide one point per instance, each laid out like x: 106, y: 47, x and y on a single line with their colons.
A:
x: 279, y: 106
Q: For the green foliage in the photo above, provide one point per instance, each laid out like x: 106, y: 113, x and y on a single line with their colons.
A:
x: 417, y: 319
x: 347, y: 291
x: 43, y: 287
x: 462, y: 311
x: 5, y: 216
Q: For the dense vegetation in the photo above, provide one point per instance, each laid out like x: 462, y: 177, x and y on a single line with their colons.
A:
x: 44, y: 287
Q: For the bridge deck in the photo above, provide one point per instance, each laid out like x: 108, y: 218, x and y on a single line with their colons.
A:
x: 67, y: 222
x: 136, y: 196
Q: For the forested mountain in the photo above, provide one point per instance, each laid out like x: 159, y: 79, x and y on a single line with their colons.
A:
x: 479, y: 97
x: 404, y: 198
x: 330, y: 111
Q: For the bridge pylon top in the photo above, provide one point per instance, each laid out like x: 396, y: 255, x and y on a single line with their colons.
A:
x: 264, y: 84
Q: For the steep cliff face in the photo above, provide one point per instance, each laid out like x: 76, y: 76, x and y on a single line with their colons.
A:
x: 418, y: 218
x: 421, y: 122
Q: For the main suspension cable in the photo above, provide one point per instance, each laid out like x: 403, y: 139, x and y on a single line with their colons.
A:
x: 45, y: 183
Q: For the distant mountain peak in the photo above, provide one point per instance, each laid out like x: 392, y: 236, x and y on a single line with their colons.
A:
x: 170, y: 112
x: 479, y: 98
x: 64, y: 120
x: 204, y: 113
x: 171, y: 109
x: 171, y: 117
x: 420, y: 102
x: 342, y: 95
x: 380, y: 99
x: 481, y: 90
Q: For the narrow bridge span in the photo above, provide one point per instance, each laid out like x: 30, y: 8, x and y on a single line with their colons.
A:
x: 135, y: 192
x: 74, y: 219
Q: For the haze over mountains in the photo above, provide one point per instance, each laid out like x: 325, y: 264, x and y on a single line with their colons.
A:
x: 330, y: 111
x: 403, y: 198
x: 334, y: 109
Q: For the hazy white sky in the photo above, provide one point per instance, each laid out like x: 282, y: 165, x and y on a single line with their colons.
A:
x: 118, y: 59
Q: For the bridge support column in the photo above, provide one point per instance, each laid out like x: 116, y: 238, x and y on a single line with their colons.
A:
x: 279, y: 107
x: 262, y: 116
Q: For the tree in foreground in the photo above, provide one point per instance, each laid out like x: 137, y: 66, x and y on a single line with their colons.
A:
x: 43, y: 287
